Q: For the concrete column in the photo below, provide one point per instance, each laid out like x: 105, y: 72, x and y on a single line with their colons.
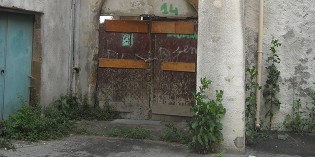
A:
x: 221, y: 59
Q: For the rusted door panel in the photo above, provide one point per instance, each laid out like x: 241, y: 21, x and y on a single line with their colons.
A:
x: 118, y: 86
x: 174, y: 79
x: 133, y: 86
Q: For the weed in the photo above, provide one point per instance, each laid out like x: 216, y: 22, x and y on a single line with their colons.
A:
x: 312, y: 110
x: 6, y: 143
x: 134, y: 133
x: 298, y: 122
x: 28, y: 124
x: 71, y: 108
x: 173, y: 134
x: 33, y: 123
x: 272, y: 85
x: 222, y: 154
x: 206, y: 126
x: 80, y: 130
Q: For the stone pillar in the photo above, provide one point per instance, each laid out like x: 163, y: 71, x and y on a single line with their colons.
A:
x: 221, y: 59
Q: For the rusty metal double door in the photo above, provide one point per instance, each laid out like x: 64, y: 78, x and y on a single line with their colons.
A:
x: 147, y: 67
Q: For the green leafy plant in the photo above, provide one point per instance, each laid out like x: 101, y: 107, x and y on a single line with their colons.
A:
x: 29, y: 124
x: 298, y: 122
x: 134, y: 133
x: 301, y: 121
x: 33, y: 123
x: 312, y: 110
x: 206, y: 126
x: 222, y: 154
x: 272, y: 85
x: 81, y: 130
x: 72, y: 109
x: 173, y: 134
x: 6, y: 143
x: 251, y: 105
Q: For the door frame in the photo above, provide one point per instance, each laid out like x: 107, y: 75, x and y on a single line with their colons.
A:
x: 150, y: 56
x: 36, y: 57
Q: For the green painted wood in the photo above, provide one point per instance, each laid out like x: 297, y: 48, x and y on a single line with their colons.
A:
x: 3, y: 30
x: 18, y: 56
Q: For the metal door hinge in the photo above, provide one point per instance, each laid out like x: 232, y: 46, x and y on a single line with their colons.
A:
x: 31, y: 77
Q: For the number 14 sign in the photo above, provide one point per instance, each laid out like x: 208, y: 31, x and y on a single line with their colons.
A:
x: 171, y: 10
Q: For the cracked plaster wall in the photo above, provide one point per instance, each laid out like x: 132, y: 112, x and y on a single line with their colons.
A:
x: 293, y: 23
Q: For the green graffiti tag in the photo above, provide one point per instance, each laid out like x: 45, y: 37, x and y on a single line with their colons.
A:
x: 172, y: 10
x: 127, y: 39
x: 184, y: 36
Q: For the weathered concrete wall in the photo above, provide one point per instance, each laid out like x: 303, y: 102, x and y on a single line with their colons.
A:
x: 293, y: 23
x: 86, y: 48
x: 164, y: 8
x: 31, y: 5
x: 56, y: 43
x: 221, y: 59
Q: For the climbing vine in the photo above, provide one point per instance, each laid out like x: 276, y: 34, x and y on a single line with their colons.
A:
x: 272, y: 85
x: 251, y: 87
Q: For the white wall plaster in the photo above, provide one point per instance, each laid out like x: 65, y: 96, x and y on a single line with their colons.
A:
x: 293, y: 23
x: 221, y: 59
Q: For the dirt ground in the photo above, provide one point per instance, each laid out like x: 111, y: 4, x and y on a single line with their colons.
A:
x: 287, y: 143
x: 98, y: 145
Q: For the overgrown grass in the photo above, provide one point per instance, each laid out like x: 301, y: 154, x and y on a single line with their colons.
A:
x: 28, y: 124
x: 134, y: 133
x: 6, y: 143
x: 34, y: 123
x: 81, y: 130
x: 173, y: 134
x: 74, y: 110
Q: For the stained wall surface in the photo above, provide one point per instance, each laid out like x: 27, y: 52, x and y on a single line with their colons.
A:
x: 220, y: 58
x: 73, y: 39
x: 56, y: 43
x: 293, y: 24
x: 164, y: 8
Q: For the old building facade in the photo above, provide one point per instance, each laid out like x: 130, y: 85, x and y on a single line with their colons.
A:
x: 222, y: 37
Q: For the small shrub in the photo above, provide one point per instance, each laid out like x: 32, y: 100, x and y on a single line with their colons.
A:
x: 134, y: 133
x: 206, y: 126
x: 173, y: 134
